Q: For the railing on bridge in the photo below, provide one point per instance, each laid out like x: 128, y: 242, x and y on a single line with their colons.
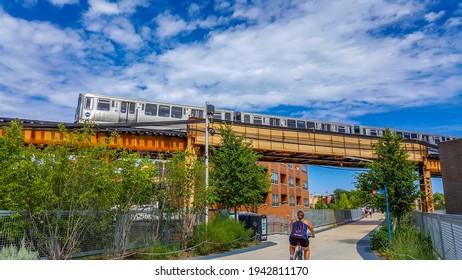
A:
x: 318, y: 217
x: 445, y: 232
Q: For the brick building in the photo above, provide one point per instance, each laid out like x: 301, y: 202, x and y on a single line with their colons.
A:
x: 451, y: 171
x: 289, y: 189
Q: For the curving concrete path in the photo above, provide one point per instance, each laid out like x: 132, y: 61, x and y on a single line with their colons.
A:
x: 344, y: 242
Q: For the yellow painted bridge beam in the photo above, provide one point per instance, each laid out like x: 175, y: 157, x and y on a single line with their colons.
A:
x: 149, y: 143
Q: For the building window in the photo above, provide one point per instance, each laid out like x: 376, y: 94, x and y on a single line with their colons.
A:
x: 305, y: 202
x: 274, y: 178
x: 304, y: 168
x: 275, y: 202
x: 297, y: 182
x: 283, y: 179
x: 292, y: 201
x: 291, y: 166
x: 305, y: 185
x: 291, y: 182
x: 299, y: 200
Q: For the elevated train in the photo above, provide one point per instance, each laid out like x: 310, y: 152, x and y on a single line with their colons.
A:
x: 104, y: 109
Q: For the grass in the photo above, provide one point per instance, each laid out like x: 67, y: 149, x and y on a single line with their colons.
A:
x: 407, y: 244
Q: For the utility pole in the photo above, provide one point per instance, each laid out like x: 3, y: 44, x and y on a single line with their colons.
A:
x: 210, y: 110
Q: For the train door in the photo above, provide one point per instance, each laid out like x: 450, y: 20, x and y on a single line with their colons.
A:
x: 127, y: 112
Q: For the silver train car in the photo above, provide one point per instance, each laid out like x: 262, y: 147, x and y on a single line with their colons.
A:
x: 294, y: 123
x: 104, y: 109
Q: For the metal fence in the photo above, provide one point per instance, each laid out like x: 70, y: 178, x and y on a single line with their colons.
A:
x: 319, y: 218
x: 445, y: 232
x: 99, y: 240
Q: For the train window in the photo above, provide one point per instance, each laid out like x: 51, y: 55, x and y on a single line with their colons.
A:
x: 151, y: 109
x: 373, y: 132
x: 228, y: 116
x: 131, y: 108
x: 164, y: 111
x: 425, y: 138
x: 341, y: 129
x: 257, y: 120
x: 357, y: 129
x: 291, y: 123
x: 310, y: 125
x: 217, y: 115
x: 301, y: 124
x: 88, y: 103
x: 103, y: 105
x: 399, y: 133
x: 326, y: 127
x: 437, y: 140
x: 413, y: 135
x: 275, y: 122
x: 177, y: 112
x: 195, y: 113
x: 123, y: 107
x: 246, y: 118
x: 407, y: 135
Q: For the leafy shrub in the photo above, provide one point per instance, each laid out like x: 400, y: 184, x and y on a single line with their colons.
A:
x: 11, y: 252
x: 379, y: 239
x: 407, y: 243
x: 223, y: 234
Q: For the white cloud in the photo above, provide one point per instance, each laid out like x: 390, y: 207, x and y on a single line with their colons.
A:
x: 334, y: 59
x: 454, y: 22
x: 61, y: 3
x: 431, y: 17
x: 169, y: 25
x: 102, y: 7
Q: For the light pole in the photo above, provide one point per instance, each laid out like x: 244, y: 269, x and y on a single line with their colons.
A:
x: 388, y: 217
x: 210, y: 110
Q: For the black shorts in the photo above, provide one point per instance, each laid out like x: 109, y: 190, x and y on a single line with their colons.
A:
x: 294, y: 241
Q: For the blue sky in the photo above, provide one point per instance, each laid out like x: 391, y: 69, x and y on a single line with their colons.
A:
x: 394, y: 63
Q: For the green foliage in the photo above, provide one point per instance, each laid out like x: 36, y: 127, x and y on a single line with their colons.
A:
x: 184, y: 189
x: 320, y: 204
x: 223, y: 234
x: 11, y: 252
x: 393, y: 169
x: 158, y: 251
x: 439, y: 201
x: 58, y: 188
x: 237, y: 178
x: 407, y: 243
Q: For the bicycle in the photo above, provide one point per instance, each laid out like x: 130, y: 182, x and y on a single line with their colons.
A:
x: 299, y: 252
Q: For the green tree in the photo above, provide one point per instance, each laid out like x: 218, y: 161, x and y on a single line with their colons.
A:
x: 184, y: 181
x: 237, y: 178
x: 393, y: 170
x: 438, y: 200
x: 132, y: 186
x: 53, y: 188
x: 320, y: 204
x: 70, y: 187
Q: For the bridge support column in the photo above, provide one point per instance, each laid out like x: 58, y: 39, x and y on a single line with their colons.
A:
x: 426, y: 187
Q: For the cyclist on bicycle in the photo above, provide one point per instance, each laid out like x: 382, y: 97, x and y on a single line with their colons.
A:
x: 299, y: 235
